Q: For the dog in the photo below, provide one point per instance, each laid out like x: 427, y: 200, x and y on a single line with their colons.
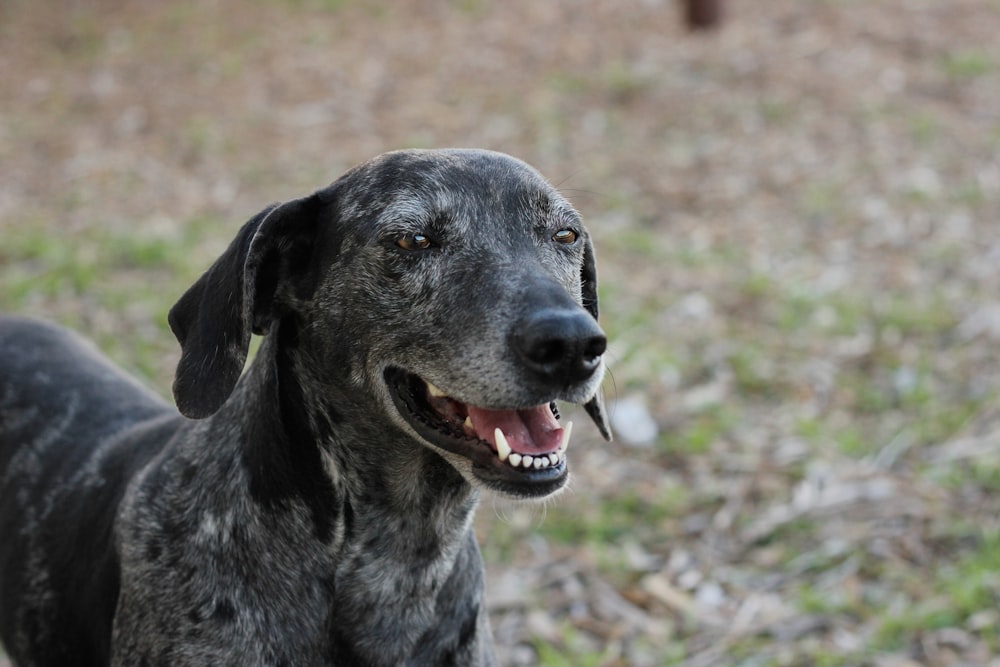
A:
x: 419, y: 319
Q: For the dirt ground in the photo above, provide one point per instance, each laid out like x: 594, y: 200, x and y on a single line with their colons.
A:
x: 799, y: 250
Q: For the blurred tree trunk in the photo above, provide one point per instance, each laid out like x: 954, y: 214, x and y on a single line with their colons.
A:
x: 703, y: 14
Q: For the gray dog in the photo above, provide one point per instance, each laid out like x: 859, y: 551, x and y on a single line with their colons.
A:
x: 420, y: 317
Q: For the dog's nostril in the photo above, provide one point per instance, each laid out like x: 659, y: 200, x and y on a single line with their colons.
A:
x: 594, y: 348
x: 547, y: 351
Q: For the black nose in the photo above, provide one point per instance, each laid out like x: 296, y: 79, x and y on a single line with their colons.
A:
x: 560, y: 346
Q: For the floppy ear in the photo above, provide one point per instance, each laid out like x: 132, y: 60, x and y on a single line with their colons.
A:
x: 213, y: 320
x: 588, y: 289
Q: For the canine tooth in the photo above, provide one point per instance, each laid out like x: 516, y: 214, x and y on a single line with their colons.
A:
x: 526, y: 461
x: 553, y: 459
x: 514, y: 459
x: 434, y: 391
x: 503, y: 449
x: 567, y: 430
x: 541, y: 461
x: 468, y: 424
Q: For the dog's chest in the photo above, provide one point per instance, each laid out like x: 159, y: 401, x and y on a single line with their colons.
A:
x: 236, y: 580
x: 394, y: 610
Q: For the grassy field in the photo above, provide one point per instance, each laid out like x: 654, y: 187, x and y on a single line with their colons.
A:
x: 798, y: 229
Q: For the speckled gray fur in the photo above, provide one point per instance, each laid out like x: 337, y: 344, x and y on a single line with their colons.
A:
x: 292, y: 517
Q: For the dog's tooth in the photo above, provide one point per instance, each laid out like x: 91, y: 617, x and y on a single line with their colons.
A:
x: 526, y: 461
x: 553, y: 458
x: 434, y: 391
x: 468, y: 424
x: 567, y: 430
x: 503, y: 448
x: 541, y: 461
x: 514, y: 459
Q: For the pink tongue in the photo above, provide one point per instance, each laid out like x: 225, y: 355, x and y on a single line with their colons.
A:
x: 530, y: 431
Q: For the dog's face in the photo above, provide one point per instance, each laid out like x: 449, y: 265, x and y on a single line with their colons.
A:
x: 457, y: 288
x: 447, y: 270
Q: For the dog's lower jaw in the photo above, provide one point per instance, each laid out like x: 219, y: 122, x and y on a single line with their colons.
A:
x: 480, y: 479
x: 536, y: 471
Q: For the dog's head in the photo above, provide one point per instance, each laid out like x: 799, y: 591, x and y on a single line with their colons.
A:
x: 456, y: 289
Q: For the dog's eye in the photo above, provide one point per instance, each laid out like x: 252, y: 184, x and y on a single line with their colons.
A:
x: 566, y: 236
x: 414, y: 242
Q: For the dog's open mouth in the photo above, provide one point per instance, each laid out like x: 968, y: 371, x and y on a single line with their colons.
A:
x: 521, y: 451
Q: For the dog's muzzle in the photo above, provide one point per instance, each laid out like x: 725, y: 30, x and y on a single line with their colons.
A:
x: 521, y: 452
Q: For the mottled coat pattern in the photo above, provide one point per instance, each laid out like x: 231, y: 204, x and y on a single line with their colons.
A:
x: 315, y: 509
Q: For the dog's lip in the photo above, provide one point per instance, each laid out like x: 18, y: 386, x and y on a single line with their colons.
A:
x: 529, y: 449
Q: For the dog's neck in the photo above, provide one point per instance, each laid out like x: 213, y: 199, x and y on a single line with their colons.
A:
x: 396, y: 522
x: 299, y: 440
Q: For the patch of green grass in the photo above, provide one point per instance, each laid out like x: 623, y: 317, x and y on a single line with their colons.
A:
x: 812, y: 600
x: 967, y: 64
x: 961, y: 587
x: 934, y: 417
x: 753, y: 373
x: 850, y: 314
x: 985, y: 474
x: 131, y: 250
x: 642, y: 243
x: 821, y: 200
x: 895, y: 632
x: 630, y: 514
x: 574, y: 649
x: 36, y: 262
x: 795, y: 311
x: 471, y: 7
x: 810, y: 429
x: 697, y: 434
x: 617, y: 81
x: 968, y: 194
x: 924, y: 127
x: 765, y: 652
x: 325, y: 5
x: 201, y: 136
x: 869, y: 394
x: 758, y: 286
x: 853, y: 442
x: 774, y: 111
x: 622, y: 83
x: 791, y: 532
x: 567, y: 83
x: 916, y: 317
x: 328, y: 5
x: 130, y: 275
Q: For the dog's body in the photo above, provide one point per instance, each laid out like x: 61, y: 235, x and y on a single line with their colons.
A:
x: 317, y: 510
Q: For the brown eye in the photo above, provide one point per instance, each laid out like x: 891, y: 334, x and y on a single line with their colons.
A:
x: 413, y: 242
x: 566, y: 236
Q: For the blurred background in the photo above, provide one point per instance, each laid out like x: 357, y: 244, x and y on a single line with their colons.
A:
x: 797, y: 217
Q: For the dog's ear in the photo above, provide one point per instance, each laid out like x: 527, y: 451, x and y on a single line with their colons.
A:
x: 588, y: 277
x: 588, y: 290
x: 213, y: 320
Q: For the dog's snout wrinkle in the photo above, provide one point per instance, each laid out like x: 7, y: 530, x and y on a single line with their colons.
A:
x: 559, y: 345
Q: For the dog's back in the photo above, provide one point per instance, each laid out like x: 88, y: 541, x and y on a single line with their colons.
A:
x: 68, y: 423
